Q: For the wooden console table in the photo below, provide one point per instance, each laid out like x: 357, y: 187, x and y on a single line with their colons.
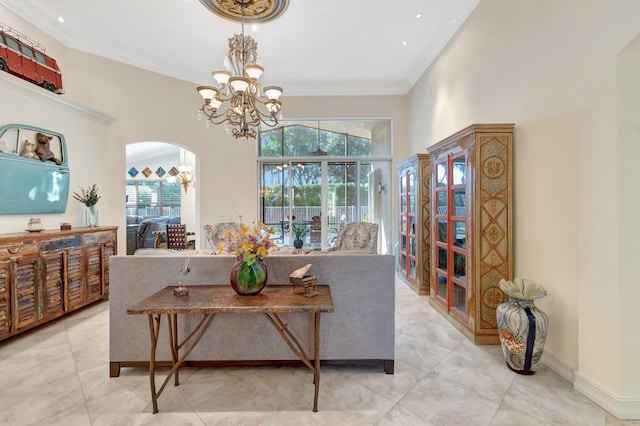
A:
x: 210, y: 300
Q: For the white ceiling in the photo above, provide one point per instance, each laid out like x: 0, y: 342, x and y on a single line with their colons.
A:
x: 327, y: 47
x: 144, y: 151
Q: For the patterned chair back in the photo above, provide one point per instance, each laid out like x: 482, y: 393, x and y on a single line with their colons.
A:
x: 177, y: 237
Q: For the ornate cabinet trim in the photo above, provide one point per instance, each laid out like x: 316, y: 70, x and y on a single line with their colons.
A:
x: 488, y: 153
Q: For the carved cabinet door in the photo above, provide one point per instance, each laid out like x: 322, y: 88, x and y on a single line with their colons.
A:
x: 25, y: 291
x: 53, y: 285
x: 5, y: 298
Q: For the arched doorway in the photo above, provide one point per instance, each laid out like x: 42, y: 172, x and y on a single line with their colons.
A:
x: 160, y: 187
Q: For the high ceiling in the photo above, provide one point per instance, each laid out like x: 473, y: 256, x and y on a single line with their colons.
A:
x: 326, y: 47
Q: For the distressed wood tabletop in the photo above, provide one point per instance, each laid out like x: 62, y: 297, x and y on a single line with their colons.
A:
x: 222, y: 298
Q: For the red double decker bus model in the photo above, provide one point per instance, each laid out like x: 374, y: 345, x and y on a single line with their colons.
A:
x: 25, y: 58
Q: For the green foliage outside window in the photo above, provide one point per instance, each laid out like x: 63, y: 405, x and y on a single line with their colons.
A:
x: 309, y: 195
x: 304, y: 141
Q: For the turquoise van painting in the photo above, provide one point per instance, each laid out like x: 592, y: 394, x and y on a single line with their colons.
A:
x: 34, y: 171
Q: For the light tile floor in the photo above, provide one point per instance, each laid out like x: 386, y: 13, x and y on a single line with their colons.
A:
x: 58, y: 374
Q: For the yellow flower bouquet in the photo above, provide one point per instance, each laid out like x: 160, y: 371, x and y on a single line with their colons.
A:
x: 250, y: 245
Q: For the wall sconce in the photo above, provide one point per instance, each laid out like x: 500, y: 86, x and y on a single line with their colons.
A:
x: 185, y: 177
x: 380, y: 187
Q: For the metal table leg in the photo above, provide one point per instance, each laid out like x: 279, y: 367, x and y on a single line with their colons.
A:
x: 316, y: 371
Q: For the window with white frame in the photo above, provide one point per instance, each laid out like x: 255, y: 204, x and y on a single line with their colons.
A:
x: 316, y: 175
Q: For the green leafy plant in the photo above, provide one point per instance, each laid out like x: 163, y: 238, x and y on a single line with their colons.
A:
x: 299, y: 233
x: 89, y: 197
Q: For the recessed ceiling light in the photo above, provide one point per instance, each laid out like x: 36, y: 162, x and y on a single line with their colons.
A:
x: 404, y: 43
x: 60, y: 19
x: 418, y: 15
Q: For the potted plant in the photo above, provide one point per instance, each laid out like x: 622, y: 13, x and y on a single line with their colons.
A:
x: 298, y: 235
x: 89, y: 197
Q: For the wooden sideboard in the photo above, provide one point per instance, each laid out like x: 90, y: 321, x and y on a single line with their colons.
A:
x: 48, y: 274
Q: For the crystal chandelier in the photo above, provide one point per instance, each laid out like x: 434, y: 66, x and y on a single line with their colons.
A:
x: 239, y: 101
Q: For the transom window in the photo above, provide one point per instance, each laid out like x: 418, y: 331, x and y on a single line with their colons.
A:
x: 317, y: 175
x: 299, y: 141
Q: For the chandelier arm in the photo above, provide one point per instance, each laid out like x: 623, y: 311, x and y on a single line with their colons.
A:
x: 213, y: 117
x: 255, y: 103
x: 272, y: 121
x: 258, y: 117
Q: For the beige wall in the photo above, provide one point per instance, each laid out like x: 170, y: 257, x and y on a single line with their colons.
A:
x: 86, y: 137
x: 628, y: 295
x: 550, y: 68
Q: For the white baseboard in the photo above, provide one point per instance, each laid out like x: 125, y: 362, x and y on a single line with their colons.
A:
x: 559, y: 366
x: 624, y: 408
x: 621, y: 407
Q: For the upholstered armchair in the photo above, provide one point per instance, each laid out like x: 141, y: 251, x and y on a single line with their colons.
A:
x: 357, y: 236
x: 214, y: 234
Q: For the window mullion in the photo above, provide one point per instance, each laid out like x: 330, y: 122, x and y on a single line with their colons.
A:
x: 324, y: 222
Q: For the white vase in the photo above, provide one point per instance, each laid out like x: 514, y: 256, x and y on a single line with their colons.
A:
x: 91, y: 216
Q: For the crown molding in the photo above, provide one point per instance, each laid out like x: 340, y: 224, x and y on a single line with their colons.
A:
x: 24, y: 87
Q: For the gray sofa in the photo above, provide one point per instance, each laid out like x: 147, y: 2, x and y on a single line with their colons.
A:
x: 140, y: 230
x: 361, y: 330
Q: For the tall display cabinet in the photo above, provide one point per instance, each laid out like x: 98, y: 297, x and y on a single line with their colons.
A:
x: 472, y: 226
x: 414, y: 231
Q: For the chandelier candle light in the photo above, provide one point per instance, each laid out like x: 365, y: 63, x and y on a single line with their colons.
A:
x: 240, y: 102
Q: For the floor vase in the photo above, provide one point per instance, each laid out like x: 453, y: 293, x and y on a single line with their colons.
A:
x: 522, y: 328
x: 248, y: 277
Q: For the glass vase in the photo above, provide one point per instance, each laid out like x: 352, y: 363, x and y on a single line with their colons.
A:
x: 248, y: 278
x: 91, y: 216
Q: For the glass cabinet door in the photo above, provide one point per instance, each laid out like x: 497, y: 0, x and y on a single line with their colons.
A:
x: 450, y: 225
x: 407, y: 234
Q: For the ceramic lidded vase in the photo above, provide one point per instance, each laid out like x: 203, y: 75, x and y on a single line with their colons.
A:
x: 522, y: 326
